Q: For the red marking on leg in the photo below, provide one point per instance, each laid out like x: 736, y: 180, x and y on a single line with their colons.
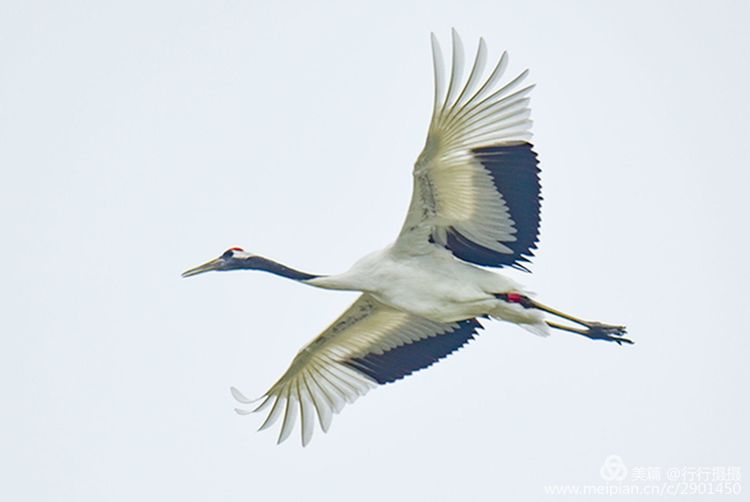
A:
x: 515, y: 298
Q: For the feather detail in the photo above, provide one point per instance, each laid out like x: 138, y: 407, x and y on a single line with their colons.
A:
x: 369, y: 344
x: 476, y: 185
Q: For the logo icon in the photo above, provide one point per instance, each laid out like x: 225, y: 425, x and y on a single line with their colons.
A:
x: 613, y: 469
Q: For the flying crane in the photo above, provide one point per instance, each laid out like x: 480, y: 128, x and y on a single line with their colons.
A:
x: 475, y: 204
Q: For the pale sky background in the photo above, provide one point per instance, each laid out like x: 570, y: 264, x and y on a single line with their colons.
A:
x: 141, y: 138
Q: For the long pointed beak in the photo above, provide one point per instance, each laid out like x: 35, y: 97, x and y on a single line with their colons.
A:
x: 214, y: 264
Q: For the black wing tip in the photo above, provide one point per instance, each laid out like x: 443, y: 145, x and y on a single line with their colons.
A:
x: 505, y: 148
x: 515, y: 172
x: 400, y: 362
x: 467, y: 250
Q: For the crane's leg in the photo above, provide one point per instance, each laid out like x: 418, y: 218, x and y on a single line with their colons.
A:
x: 591, y: 329
x: 597, y: 331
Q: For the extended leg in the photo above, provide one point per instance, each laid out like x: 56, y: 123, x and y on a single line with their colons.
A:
x: 595, y: 333
x: 593, y: 329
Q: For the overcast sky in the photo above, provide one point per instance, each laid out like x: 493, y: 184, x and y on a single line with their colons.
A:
x: 141, y: 138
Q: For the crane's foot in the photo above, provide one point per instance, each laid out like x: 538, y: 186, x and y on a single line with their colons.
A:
x: 608, y: 332
x: 596, y: 331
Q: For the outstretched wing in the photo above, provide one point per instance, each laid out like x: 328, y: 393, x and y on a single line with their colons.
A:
x: 369, y: 344
x: 476, y: 183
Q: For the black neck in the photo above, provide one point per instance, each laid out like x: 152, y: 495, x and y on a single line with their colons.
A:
x: 266, y: 265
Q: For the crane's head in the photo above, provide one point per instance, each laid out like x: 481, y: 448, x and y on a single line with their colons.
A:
x: 239, y: 259
x: 231, y: 259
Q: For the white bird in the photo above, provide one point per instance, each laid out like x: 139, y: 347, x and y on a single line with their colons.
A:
x: 475, y: 203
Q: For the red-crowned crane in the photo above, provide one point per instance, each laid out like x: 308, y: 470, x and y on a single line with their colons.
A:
x: 475, y: 204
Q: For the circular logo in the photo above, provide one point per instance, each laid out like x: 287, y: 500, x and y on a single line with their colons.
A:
x: 613, y: 469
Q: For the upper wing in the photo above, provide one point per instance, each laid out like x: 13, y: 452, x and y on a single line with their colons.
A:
x: 369, y: 344
x: 476, y: 183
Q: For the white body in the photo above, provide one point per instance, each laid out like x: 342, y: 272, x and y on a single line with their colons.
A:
x: 434, y: 285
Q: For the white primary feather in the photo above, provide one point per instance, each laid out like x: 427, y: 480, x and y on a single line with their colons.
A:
x: 452, y: 190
